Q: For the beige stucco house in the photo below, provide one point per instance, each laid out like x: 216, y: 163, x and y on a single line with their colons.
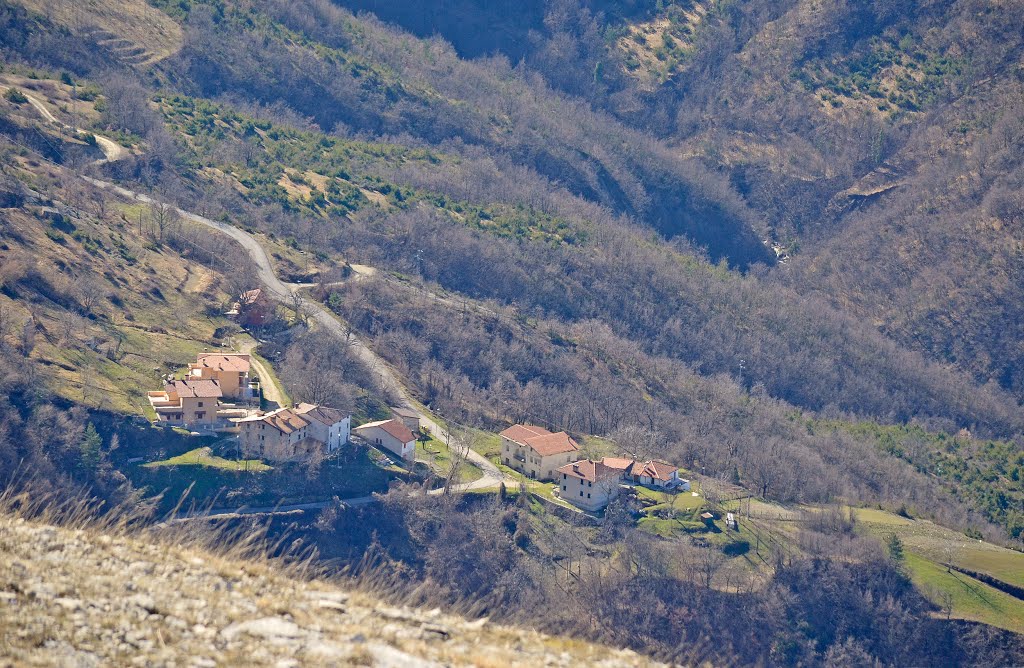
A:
x: 187, y: 402
x: 230, y: 370
x: 293, y: 434
x: 536, y: 452
x: 391, y: 435
x: 588, y: 484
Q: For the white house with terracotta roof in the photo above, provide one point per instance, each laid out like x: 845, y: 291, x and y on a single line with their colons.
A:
x: 391, y: 435
x: 292, y: 434
x: 536, y: 452
x: 327, y: 425
x: 588, y: 484
x: 187, y: 402
x: 650, y: 473
x: 230, y: 370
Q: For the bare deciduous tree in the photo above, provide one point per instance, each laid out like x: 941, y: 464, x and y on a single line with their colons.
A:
x: 458, y: 444
x: 298, y: 305
x: 165, y: 217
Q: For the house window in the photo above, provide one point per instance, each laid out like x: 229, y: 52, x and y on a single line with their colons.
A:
x: 563, y: 488
x: 590, y: 484
x: 200, y: 415
x: 581, y: 492
x: 200, y: 404
x: 588, y: 495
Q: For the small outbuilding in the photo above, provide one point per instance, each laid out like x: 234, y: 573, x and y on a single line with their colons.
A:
x: 391, y: 435
x: 408, y: 417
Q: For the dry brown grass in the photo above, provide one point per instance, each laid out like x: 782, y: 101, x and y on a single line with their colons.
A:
x: 132, y: 20
x: 79, y: 587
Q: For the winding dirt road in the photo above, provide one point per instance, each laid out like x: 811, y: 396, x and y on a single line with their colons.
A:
x: 283, y: 292
x: 112, y: 151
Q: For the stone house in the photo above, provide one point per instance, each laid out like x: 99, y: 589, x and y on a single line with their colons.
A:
x: 293, y: 434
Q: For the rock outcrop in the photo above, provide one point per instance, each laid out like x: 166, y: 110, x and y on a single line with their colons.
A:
x: 84, y: 597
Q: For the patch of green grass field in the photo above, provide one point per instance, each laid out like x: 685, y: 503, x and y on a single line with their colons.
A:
x: 439, y: 458
x: 204, y: 457
x: 683, y: 502
x: 940, y: 545
x: 968, y: 598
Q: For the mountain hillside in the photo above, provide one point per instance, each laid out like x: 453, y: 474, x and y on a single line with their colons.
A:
x: 769, y: 251
x: 88, y: 596
x: 879, y: 142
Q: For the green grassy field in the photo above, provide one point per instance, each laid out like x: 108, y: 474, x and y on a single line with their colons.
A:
x: 204, y: 457
x: 966, y: 597
x: 439, y: 457
x: 929, y: 545
x: 682, y: 501
x: 220, y: 482
x: 672, y: 514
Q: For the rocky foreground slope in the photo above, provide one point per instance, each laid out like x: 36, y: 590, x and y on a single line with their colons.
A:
x: 84, y: 597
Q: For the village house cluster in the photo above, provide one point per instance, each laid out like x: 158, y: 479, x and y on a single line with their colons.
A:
x: 201, y: 399
x: 214, y: 396
x: 217, y: 390
x: 591, y: 485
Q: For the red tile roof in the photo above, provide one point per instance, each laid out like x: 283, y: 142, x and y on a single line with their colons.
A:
x: 589, y: 470
x: 393, y: 427
x: 552, y: 444
x: 327, y: 416
x: 251, y: 296
x: 520, y: 432
x: 621, y: 464
x: 285, y: 421
x: 224, y: 362
x: 202, y: 389
x: 654, y: 469
x: 540, y: 440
